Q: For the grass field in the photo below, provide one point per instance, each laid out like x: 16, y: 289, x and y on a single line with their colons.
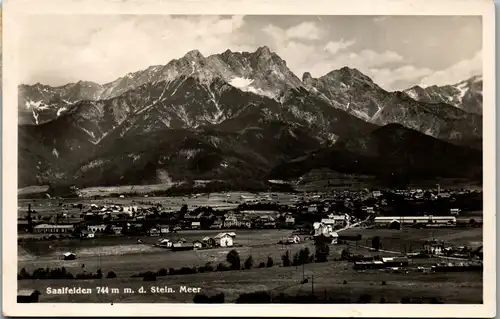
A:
x: 328, y: 278
x: 218, y: 201
x: 413, y: 239
x: 112, y: 253
x: 125, y: 257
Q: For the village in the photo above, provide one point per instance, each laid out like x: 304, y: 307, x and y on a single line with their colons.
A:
x: 362, y: 228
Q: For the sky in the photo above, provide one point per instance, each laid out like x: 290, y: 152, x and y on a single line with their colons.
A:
x: 397, y: 52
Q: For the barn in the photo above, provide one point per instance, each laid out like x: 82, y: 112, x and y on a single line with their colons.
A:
x: 395, y: 261
x: 225, y: 239
x: 69, y: 256
x: 397, y: 221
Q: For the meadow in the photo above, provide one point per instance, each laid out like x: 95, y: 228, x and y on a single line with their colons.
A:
x: 332, y: 279
x: 126, y: 257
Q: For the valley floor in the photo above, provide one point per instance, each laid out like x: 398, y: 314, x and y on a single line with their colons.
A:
x: 126, y: 257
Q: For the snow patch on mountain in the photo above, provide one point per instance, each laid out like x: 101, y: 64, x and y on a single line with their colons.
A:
x: 412, y: 94
x: 462, y: 88
x: 39, y: 105
x: 245, y: 85
x: 35, y: 116
x: 240, y: 83
x: 61, y: 110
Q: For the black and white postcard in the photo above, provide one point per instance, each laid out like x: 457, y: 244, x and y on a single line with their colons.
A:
x: 160, y: 156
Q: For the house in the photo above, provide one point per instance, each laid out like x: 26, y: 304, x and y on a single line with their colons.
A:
x: 324, y: 233
x: 376, y: 193
x: 154, y: 232
x: 208, y: 215
x: 195, y: 225
x: 209, y: 242
x: 47, y: 228
x: 369, y: 210
x: 289, y: 220
x: 312, y: 209
x: 129, y: 209
x: 231, y: 221
x: 87, y: 234
x: 96, y: 228
x: 217, y: 224
x: 164, y: 243
x: 193, y: 215
x: 293, y: 239
x: 117, y: 229
x: 374, y: 264
x: 395, y: 261
x: 434, y: 247
x: 164, y: 229
x: 197, y: 244
x: 335, y: 237
x: 334, y: 220
x: 69, y: 256
x: 225, y: 239
x: 244, y: 223
x: 454, y: 211
x: 28, y: 295
x: 265, y: 221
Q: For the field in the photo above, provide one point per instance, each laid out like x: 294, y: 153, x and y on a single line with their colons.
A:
x: 126, y: 257
x: 215, y: 200
x: 412, y: 239
x: 120, y: 254
x: 328, y: 279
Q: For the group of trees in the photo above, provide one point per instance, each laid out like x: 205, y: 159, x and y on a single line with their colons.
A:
x: 304, y: 256
x: 233, y: 260
x: 61, y: 273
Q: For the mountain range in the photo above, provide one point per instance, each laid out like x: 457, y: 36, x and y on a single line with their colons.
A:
x: 239, y: 118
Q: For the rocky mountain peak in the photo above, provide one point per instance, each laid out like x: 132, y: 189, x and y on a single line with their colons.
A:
x: 466, y: 95
x: 306, y: 77
x: 347, y: 73
x: 263, y: 51
x: 194, y: 55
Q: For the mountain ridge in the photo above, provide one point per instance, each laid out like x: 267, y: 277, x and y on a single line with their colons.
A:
x: 222, y: 97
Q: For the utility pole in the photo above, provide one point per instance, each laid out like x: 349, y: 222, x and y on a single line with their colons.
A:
x: 303, y: 278
x: 312, y: 284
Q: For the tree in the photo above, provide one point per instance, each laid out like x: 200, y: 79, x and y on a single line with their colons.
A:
x: 304, y: 256
x: 233, y: 257
x: 286, y: 259
x: 270, y: 262
x: 201, y: 298
x: 111, y: 274
x: 249, y: 262
x: 184, y: 209
x: 376, y: 243
x: 322, y: 252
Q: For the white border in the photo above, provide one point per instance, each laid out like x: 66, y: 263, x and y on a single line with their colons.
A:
x: 16, y: 8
